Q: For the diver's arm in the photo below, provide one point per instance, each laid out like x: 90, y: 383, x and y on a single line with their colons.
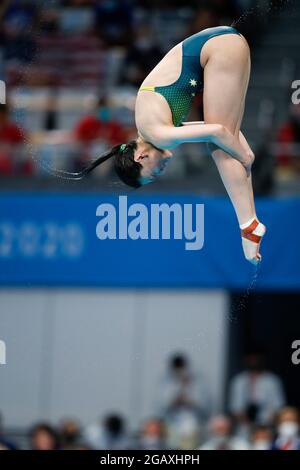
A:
x: 170, y: 137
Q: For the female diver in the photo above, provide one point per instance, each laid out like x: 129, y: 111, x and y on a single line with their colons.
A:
x: 217, y: 61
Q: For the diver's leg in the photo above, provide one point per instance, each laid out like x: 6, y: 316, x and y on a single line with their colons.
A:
x: 247, y: 147
x: 253, y: 232
x: 226, y: 77
x: 225, y: 85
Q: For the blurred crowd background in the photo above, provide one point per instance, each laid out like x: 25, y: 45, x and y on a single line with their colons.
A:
x: 72, y: 70
x: 257, y: 417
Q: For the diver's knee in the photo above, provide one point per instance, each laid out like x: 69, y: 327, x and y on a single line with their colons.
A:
x: 250, y: 158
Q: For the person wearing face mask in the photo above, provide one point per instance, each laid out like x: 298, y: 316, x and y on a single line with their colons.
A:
x: 221, y: 437
x: 255, y: 394
x: 96, y: 131
x: 152, y: 435
x: 100, y: 125
x: 288, y: 437
x: 261, y: 438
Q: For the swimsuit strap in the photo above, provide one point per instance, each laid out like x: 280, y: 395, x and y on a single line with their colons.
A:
x: 147, y: 88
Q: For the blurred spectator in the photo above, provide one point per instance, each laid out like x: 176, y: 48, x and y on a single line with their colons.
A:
x: 183, y: 427
x: 44, y: 437
x: 184, y: 402
x: 287, y: 430
x: 152, y: 435
x: 100, y: 125
x: 221, y: 437
x: 255, y: 394
x: 95, y: 132
x: 111, y: 434
x: 142, y: 56
x: 182, y: 387
x: 288, y: 139
x: 261, y: 438
x: 5, y: 443
x: 12, y: 140
x: 70, y: 434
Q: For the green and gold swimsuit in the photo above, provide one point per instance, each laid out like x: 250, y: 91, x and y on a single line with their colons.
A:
x: 180, y: 94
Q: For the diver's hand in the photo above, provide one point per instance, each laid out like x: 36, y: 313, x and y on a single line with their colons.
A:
x: 223, y: 139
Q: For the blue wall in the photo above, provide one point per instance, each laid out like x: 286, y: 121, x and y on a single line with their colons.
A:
x: 50, y: 240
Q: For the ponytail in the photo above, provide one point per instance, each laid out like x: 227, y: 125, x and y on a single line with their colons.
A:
x: 128, y: 170
x: 81, y: 174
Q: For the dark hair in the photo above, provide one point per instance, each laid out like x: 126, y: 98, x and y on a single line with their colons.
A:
x: 178, y: 361
x: 114, y: 424
x: 46, y: 428
x: 128, y: 170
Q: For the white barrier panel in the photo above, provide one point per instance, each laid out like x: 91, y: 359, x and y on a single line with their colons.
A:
x: 87, y: 352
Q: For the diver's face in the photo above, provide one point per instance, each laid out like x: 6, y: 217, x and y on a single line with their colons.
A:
x: 153, y: 161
